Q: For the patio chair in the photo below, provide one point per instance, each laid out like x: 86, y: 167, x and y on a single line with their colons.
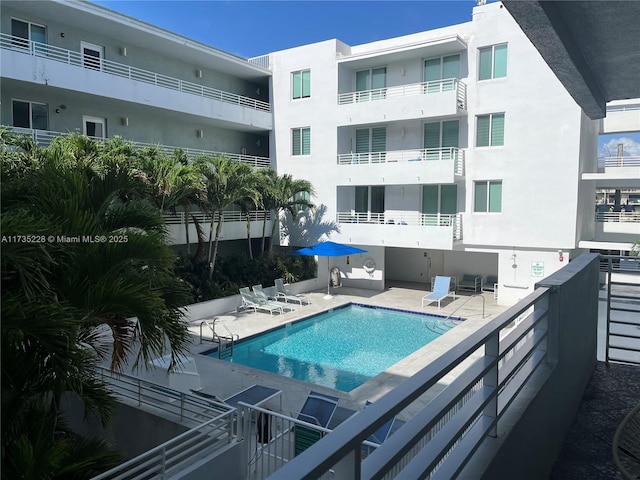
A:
x: 318, y: 409
x: 287, y: 296
x: 440, y: 291
x: 250, y: 301
x: 263, y: 298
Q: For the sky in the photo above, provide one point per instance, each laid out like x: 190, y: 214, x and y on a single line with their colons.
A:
x: 253, y: 28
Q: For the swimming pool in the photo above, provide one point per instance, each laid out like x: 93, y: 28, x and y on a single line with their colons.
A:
x: 342, y: 348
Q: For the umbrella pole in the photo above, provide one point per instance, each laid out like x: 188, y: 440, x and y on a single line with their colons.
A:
x: 328, y: 295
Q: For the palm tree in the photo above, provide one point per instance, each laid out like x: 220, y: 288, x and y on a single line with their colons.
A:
x: 227, y: 183
x: 251, y: 202
x: 101, y: 259
x: 286, y: 197
x: 172, y: 182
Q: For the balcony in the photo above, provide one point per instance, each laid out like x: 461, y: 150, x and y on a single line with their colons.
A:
x: 617, y: 226
x: 400, y: 229
x: 50, y: 61
x: 401, y: 102
x: 45, y: 137
x: 426, y: 165
x: 625, y: 167
x: 234, y: 225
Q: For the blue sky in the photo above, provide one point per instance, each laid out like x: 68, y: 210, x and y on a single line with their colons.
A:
x: 253, y: 28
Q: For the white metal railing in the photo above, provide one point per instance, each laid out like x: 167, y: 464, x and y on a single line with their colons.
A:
x: 263, y: 61
x: 45, y: 137
x: 618, y: 217
x: 423, y: 88
x: 78, y: 59
x: 416, y: 155
x: 624, y: 161
x: 623, y: 108
x: 214, y: 430
x: 405, y: 218
x: 494, y: 364
x: 229, y: 216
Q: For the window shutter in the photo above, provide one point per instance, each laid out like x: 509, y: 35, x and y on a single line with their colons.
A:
x: 500, y: 61
x: 362, y: 199
x: 497, y: 129
x: 484, y: 67
x: 306, y: 141
x: 449, y: 199
x: 429, y: 199
x: 295, y: 142
x: 450, y: 133
x: 432, y: 135
x: 362, y: 140
x: 377, y: 199
x: 379, y: 139
x: 482, y: 131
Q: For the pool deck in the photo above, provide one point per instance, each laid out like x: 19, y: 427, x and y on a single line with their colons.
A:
x: 224, y: 379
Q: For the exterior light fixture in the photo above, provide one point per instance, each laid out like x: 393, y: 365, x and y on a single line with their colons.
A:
x: 561, y: 255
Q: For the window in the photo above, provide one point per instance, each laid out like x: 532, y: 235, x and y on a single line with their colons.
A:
x: 92, y: 55
x: 488, y: 196
x: 30, y: 115
x: 301, y: 84
x: 301, y: 141
x: 27, y: 31
x: 436, y: 69
x: 492, y: 62
x: 369, y: 203
x: 439, y: 204
x: 374, y: 79
x: 490, y: 130
x: 304, y: 197
x: 441, y: 139
x: 372, y: 140
x: 94, y: 127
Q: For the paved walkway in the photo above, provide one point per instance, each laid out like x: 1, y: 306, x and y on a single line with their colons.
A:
x: 612, y: 392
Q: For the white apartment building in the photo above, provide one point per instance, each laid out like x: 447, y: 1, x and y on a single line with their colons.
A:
x: 448, y: 152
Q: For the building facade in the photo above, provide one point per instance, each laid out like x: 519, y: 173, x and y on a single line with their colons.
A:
x: 448, y: 152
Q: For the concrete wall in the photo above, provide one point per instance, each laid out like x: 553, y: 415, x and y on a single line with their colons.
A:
x: 527, y: 446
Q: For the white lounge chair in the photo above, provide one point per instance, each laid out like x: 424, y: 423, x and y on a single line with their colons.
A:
x: 250, y: 301
x: 287, y: 296
x: 263, y: 298
x: 440, y: 290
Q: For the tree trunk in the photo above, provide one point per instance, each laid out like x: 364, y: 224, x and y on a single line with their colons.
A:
x: 264, y: 231
x: 276, y: 220
x: 249, y: 234
x: 212, y: 261
x: 213, y: 216
x: 186, y: 227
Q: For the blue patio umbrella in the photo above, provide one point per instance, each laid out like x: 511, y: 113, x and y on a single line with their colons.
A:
x: 329, y: 249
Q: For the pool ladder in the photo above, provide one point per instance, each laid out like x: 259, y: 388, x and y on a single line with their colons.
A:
x: 225, y: 342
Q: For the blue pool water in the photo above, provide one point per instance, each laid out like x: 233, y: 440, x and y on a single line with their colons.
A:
x: 340, y: 349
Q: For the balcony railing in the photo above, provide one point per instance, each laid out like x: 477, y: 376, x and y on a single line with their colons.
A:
x: 263, y: 61
x: 78, y: 59
x: 625, y: 161
x: 213, y: 433
x: 418, y: 155
x: 618, y: 217
x: 415, y: 219
x: 423, y: 88
x: 45, y: 137
x: 510, y: 363
x: 205, y: 218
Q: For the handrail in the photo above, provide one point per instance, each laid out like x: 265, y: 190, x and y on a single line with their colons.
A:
x: 78, y: 59
x: 616, y: 161
x: 213, y: 332
x: 422, y: 88
x: 45, y: 137
x: 416, y: 155
x: 618, y: 217
x: 458, y: 419
x: 228, y: 216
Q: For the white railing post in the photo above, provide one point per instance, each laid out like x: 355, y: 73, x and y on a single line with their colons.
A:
x: 492, y: 350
